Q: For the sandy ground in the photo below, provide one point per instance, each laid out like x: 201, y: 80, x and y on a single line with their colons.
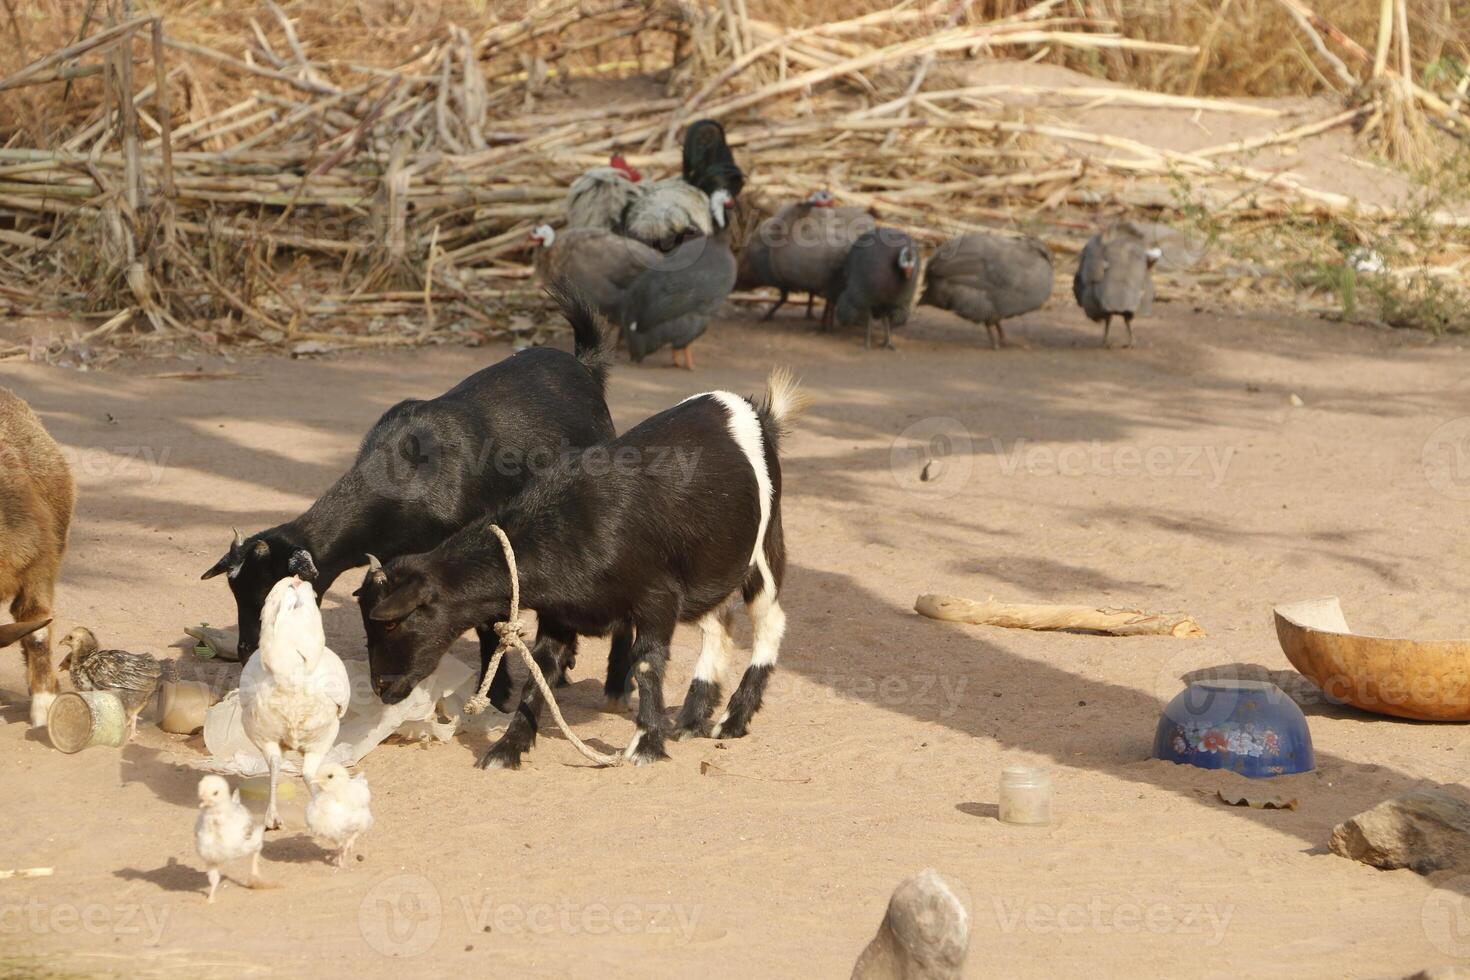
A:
x: 1178, y: 475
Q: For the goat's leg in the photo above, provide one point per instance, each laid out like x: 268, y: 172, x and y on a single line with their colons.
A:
x: 213, y: 884
x: 769, y: 624
x: 553, y: 645
x: 618, y: 687
x: 500, y: 687
x: 704, y: 691
x: 33, y: 601
x: 1107, y: 325
x: 1128, y: 322
x: 811, y: 301
x: 650, y: 656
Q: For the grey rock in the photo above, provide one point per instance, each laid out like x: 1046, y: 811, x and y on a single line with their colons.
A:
x: 925, y: 935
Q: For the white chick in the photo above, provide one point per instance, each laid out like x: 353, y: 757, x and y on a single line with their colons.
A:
x: 294, y: 690
x: 225, y: 831
x: 338, y: 812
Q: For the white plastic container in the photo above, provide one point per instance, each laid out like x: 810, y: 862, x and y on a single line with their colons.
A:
x: 1025, y: 795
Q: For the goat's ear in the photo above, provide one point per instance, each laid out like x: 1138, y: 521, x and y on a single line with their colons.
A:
x: 223, y: 565
x: 399, y: 603
x: 300, y: 564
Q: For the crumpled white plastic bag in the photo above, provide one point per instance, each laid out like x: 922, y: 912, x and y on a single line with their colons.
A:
x: 434, y: 710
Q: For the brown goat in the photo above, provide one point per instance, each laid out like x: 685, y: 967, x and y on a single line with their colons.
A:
x: 36, y: 497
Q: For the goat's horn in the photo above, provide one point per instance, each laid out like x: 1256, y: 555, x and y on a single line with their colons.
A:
x: 373, y: 564
x: 239, y: 539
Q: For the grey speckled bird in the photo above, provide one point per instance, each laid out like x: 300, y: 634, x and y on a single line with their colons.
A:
x: 1115, y: 277
x: 133, y: 677
x: 878, y: 279
x: 801, y: 247
x: 988, y: 278
x: 673, y: 302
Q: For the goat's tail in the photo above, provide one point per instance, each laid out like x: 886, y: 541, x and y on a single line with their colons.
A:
x: 592, y: 336
x: 783, y: 402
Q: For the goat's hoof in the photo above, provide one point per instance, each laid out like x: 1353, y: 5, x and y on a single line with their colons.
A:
x: 690, y: 728
x: 646, y: 747
x: 41, y: 707
x: 729, y: 727
x: 273, y: 821
x: 500, y: 756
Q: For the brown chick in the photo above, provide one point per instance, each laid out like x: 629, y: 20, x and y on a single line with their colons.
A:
x: 133, y: 677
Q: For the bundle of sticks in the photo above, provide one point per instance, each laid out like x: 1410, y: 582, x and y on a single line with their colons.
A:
x: 337, y: 203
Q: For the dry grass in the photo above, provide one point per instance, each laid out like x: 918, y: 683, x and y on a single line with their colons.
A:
x: 341, y: 179
x: 1252, y: 46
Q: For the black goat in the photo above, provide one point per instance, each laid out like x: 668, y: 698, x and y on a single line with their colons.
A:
x: 427, y: 468
x: 662, y: 525
x: 708, y: 162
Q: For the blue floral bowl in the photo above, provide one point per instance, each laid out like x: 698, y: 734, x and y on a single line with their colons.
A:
x: 1249, y: 727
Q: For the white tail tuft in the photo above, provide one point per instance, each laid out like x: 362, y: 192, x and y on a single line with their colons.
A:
x: 784, y: 400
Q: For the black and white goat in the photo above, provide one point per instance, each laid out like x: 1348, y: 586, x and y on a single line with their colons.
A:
x: 668, y: 523
x: 428, y: 468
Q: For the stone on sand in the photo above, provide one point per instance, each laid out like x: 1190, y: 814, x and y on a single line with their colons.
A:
x: 925, y: 935
x: 1425, y: 830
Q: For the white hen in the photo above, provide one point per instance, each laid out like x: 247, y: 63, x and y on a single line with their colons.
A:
x: 294, y: 690
x: 339, y: 809
x: 225, y: 831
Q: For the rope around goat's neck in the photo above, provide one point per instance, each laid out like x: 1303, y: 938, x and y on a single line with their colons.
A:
x: 513, y: 636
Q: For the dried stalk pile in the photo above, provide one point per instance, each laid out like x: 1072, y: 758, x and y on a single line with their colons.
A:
x: 339, y: 204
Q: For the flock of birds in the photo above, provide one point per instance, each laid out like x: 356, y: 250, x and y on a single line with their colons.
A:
x: 293, y: 695
x: 655, y: 258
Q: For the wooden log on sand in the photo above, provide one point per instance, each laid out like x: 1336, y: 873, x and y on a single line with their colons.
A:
x: 1023, y: 616
x: 925, y: 935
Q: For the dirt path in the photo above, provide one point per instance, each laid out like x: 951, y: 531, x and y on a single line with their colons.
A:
x: 1175, y: 476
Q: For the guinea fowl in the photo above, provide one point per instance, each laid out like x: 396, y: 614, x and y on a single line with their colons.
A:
x: 1115, y: 277
x: 801, y: 247
x: 672, y: 303
x: 708, y: 163
x: 133, y: 677
x: 600, y: 197
x: 988, y: 278
x: 879, y: 278
x: 596, y: 264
